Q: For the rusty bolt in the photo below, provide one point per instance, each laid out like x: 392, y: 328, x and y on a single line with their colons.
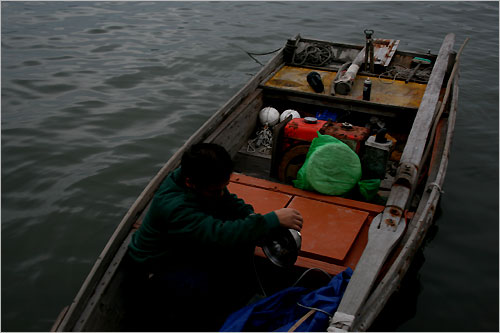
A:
x: 390, y: 222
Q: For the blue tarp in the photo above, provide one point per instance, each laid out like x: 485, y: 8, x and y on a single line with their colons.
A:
x: 280, y: 311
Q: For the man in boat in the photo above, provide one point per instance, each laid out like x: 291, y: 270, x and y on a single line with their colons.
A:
x: 197, y: 241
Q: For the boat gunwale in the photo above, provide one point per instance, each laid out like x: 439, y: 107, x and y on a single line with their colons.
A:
x: 422, y: 220
x: 388, y: 234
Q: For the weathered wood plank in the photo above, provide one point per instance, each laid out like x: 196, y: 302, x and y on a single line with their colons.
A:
x: 443, y: 105
x: 426, y: 112
x: 59, y: 318
x: 238, y: 126
x: 418, y: 228
x: 380, y: 242
x: 89, y: 317
x: 408, y: 171
x: 329, y: 101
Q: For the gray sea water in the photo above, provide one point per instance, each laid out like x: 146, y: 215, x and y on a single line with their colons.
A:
x: 96, y: 96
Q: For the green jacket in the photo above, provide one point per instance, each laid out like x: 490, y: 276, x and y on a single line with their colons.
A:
x: 180, y: 229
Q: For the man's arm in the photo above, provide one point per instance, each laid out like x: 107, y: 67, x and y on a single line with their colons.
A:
x: 288, y: 217
x: 237, y: 205
x: 190, y: 223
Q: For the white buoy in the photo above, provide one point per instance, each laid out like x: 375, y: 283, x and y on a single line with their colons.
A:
x: 288, y: 112
x: 269, y: 116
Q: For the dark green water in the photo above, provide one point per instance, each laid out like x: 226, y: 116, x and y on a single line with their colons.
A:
x: 96, y: 96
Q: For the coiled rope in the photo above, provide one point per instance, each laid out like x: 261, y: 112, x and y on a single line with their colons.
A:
x: 263, y: 141
x: 315, y: 54
x: 402, y: 72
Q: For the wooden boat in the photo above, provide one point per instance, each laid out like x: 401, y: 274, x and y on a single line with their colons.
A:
x: 377, y: 240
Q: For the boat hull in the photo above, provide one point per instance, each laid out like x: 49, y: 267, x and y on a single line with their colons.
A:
x: 101, y: 303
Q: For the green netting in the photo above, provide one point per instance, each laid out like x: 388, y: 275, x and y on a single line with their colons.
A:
x: 368, y: 188
x: 331, y: 167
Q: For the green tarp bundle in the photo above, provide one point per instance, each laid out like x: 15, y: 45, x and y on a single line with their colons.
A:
x: 333, y: 168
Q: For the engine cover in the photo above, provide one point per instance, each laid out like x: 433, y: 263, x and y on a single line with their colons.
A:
x: 302, y: 130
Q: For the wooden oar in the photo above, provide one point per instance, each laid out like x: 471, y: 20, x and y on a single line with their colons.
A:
x: 380, y: 243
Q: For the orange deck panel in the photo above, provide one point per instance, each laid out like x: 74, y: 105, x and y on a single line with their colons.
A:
x: 263, y: 201
x: 329, y: 230
x: 240, y: 178
x: 335, y: 230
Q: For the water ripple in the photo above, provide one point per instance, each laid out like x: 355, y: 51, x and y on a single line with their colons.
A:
x: 96, y: 96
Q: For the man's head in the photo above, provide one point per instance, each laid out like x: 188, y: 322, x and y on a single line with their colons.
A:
x: 206, y: 168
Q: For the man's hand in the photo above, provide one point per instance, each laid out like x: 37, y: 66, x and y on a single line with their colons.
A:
x: 289, y: 218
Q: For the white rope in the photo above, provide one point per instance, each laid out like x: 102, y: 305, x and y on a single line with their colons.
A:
x: 340, y: 319
x: 316, y: 309
x: 263, y: 141
x: 310, y: 269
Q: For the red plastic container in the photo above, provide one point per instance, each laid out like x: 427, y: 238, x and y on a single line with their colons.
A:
x: 300, y: 129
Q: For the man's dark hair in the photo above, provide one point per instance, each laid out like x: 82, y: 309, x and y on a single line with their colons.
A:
x: 206, y: 164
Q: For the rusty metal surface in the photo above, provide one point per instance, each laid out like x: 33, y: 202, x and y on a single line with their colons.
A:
x: 384, y: 91
x: 384, y: 50
x: 295, y: 78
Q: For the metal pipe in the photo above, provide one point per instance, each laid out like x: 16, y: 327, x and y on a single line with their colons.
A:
x: 372, y: 60
x: 367, y: 54
x: 369, y: 50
